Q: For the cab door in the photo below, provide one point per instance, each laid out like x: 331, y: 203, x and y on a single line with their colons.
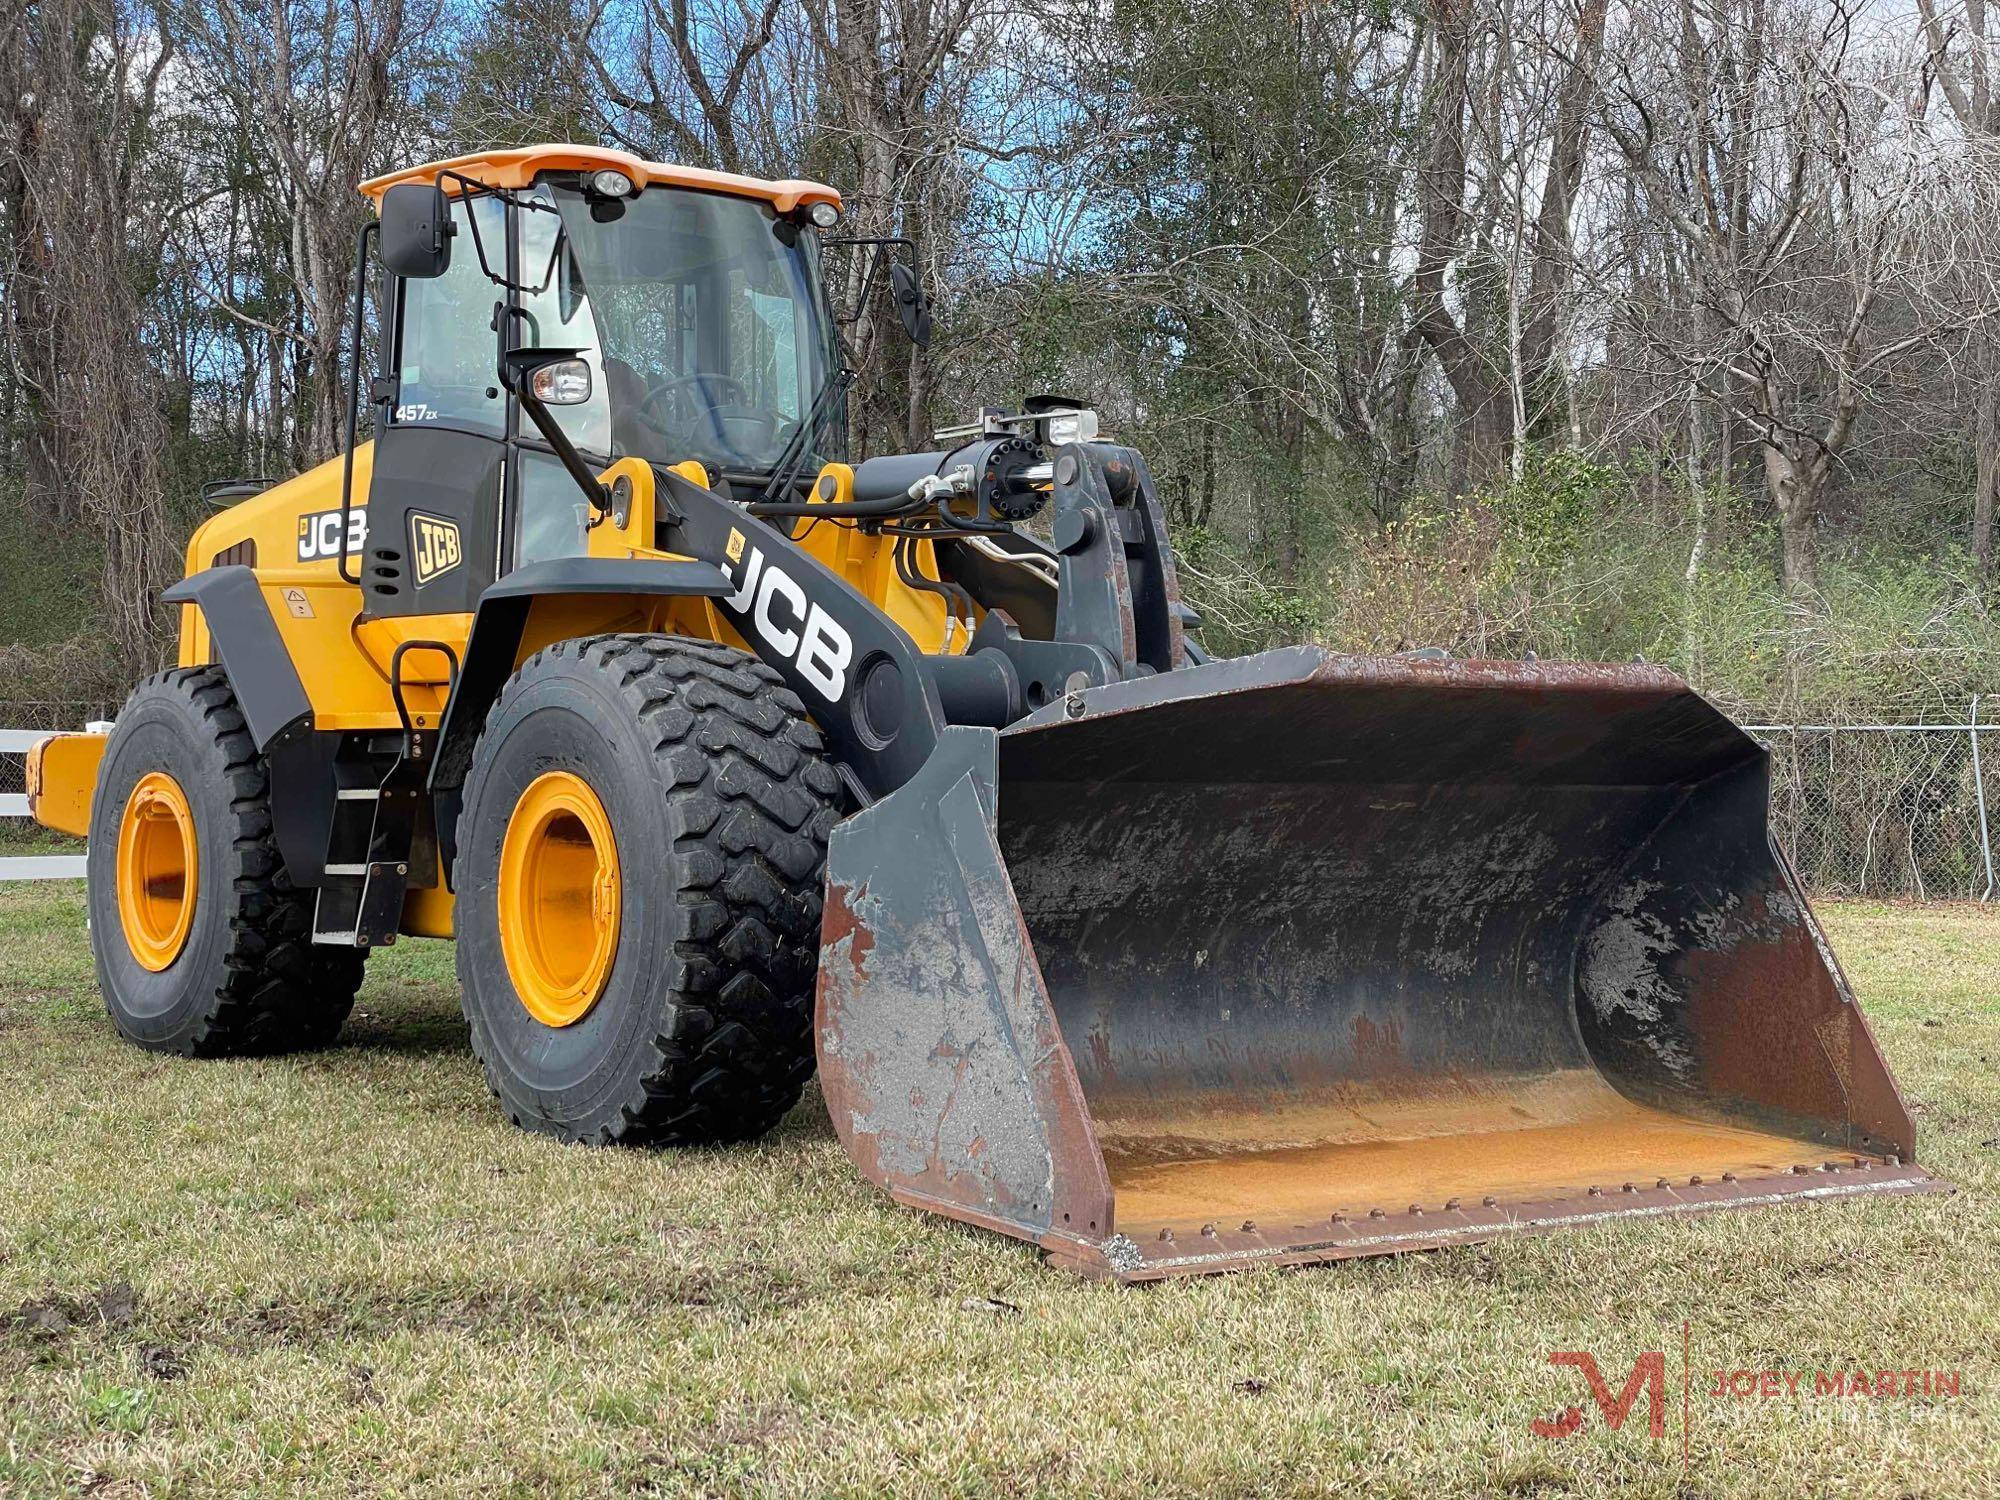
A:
x: 433, y: 541
x: 548, y: 516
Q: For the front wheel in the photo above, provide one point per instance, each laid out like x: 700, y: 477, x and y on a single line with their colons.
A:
x: 641, y: 849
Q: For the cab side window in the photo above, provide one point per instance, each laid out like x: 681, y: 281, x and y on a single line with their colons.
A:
x: 445, y: 350
x: 552, y: 517
x: 764, y: 341
x: 560, y: 316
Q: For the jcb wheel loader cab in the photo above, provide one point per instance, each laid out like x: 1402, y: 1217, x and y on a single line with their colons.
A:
x: 202, y: 942
x: 640, y: 866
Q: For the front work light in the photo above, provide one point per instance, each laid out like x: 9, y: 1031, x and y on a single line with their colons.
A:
x: 564, y: 383
x: 611, y: 183
x: 824, y: 215
x: 1061, y: 427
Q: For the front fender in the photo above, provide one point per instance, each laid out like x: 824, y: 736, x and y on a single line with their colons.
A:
x: 502, y: 615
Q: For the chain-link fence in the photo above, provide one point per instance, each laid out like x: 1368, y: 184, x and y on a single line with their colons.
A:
x: 1899, y: 810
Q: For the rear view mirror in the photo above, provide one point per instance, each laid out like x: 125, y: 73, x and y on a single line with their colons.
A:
x: 416, y: 230
x: 910, y: 304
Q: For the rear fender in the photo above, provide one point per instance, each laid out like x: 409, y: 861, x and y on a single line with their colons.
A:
x: 252, y: 651
x: 246, y: 640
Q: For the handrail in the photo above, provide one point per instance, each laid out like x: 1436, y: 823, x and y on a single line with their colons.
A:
x: 368, y: 231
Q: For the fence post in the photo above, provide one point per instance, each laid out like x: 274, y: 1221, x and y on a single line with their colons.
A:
x: 1979, y: 795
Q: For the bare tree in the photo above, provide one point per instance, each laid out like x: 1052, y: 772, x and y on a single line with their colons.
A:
x: 679, y: 76
x: 892, y: 120
x: 1510, y: 118
x: 1809, y: 209
x: 89, y: 74
x: 1959, y: 50
x: 313, y: 83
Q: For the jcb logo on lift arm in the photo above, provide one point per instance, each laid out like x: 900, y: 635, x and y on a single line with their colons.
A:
x: 776, y: 610
x: 434, y: 546
x: 319, y: 534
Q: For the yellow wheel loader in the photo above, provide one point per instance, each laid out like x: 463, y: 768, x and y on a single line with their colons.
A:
x: 720, y: 756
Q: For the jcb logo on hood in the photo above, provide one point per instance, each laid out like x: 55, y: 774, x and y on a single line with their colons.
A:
x: 319, y: 534
x: 433, y: 546
x: 817, y: 644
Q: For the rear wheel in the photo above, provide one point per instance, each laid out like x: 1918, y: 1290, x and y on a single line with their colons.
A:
x: 203, y: 945
x: 641, y: 850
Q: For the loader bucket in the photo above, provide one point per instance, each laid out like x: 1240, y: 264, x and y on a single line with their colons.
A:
x: 1303, y: 956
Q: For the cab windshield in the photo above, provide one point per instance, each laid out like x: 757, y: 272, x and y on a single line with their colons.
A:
x: 706, y: 333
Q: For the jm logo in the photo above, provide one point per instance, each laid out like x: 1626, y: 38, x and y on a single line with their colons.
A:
x: 778, y: 612
x: 1649, y: 1373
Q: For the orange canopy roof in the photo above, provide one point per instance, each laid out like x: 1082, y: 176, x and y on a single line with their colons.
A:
x: 517, y: 167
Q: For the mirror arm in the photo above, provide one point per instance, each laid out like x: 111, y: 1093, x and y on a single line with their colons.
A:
x: 885, y: 247
x: 594, y: 489
x: 470, y: 188
x: 368, y: 232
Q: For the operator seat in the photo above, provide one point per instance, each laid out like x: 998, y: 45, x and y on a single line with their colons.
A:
x: 632, y: 429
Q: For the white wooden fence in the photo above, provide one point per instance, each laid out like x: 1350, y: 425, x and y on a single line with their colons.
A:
x: 15, y: 805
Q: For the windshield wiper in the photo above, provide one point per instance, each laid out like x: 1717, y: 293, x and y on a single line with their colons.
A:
x: 804, y: 437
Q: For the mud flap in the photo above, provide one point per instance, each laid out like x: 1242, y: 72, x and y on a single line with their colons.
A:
x: 1302, y: 956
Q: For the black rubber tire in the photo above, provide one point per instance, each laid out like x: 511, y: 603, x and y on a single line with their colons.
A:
x: 720, y: 803
x: 249, y: 978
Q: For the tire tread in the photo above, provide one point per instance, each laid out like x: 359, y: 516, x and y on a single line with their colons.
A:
x: 749, y: 802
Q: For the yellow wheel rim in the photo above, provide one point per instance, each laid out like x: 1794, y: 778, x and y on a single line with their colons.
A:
x: 559, y: 898
x: 157, y: 867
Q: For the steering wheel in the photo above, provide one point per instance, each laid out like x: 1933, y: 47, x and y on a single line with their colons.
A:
x: 702, y: 385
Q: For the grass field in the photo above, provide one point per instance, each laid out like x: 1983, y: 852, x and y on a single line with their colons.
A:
x: 344, y: 1274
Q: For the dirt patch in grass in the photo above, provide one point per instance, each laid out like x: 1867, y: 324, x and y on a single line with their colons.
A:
x: 344, y: 1274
